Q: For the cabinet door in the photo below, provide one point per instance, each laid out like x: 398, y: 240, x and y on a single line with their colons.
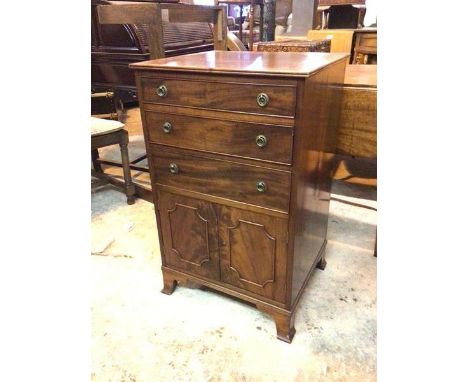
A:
x: 189, y: 233
x: 253, y: 251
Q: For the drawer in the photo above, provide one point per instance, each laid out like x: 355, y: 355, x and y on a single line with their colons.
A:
x: 255, y: 185
x: 232, y: 96
x: 264, y: 142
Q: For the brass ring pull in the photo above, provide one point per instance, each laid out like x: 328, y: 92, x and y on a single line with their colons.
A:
x: 161, y: 91
x: 261, y: 186
x: 167, y: 127
x: 262, y: 99
x: 173, y: 168
x: 261, y: 140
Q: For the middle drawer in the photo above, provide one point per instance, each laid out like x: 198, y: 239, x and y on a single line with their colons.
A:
x: 265, y: 142
x: 250, y: 184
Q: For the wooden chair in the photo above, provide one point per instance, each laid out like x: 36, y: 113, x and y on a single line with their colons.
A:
x: 153, y: 14
x: 104, y: 133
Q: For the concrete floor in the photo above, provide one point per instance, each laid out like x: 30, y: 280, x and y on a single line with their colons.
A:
x: 139, y: 334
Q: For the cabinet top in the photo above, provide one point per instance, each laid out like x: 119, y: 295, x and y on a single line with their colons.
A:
x: 288, y: 64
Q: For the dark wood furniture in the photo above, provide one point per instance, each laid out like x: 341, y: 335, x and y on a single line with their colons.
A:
x: 241, y: 4
x: 142, y: 32
x: 365, y: 46
x: 241, y: 148
x: 295, y: 46
x: 105, y: 133
x: 340, y: 14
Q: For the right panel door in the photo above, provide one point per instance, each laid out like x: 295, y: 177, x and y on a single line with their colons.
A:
x: 253, y: 251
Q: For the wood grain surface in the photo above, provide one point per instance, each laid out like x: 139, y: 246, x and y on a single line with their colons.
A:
x: 357, y: 131
x: 198, y: 252
x: 221, y: 177
x: 253, y: 252
x: 246, y: 63
x: 221, y: 95
x: 219, y: 136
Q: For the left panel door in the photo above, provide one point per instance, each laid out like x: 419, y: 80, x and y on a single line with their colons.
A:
x: 189, y: 233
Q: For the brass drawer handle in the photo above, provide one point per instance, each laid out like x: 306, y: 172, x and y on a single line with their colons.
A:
x: 173, y: 168
x: 261, y: 140
x: 261, y: 186
x: 161, y: 91
x: 262, y: 99
x: 167, y: 127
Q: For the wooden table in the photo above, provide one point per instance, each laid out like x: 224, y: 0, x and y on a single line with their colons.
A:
x: 357, y: 131
x: 252, y: 4
x: 359, y: 75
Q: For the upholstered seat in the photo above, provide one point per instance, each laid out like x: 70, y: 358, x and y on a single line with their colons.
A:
x: 104, y: 126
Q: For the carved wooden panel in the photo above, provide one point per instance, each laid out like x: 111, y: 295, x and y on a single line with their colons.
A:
x: 253, y: 252
x: 189, y: 231
x: 260, y: 270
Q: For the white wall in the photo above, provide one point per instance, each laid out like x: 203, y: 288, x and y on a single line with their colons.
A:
x: 371, y: 12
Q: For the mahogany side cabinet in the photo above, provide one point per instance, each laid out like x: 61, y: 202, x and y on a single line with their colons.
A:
x: 240, y: 148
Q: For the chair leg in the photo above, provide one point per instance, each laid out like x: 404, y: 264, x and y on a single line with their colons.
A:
x: 94, y: 159
x: 129, y: 186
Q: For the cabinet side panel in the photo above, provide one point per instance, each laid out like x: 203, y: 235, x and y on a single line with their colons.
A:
x: 314, y: 147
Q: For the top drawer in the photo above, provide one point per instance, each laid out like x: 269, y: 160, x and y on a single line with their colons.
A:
x: 254, y: 98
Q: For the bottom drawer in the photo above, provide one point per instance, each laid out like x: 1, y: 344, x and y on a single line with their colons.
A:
x: 250, y: 184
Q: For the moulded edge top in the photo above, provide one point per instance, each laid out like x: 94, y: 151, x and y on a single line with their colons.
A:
x: 290, y: 64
